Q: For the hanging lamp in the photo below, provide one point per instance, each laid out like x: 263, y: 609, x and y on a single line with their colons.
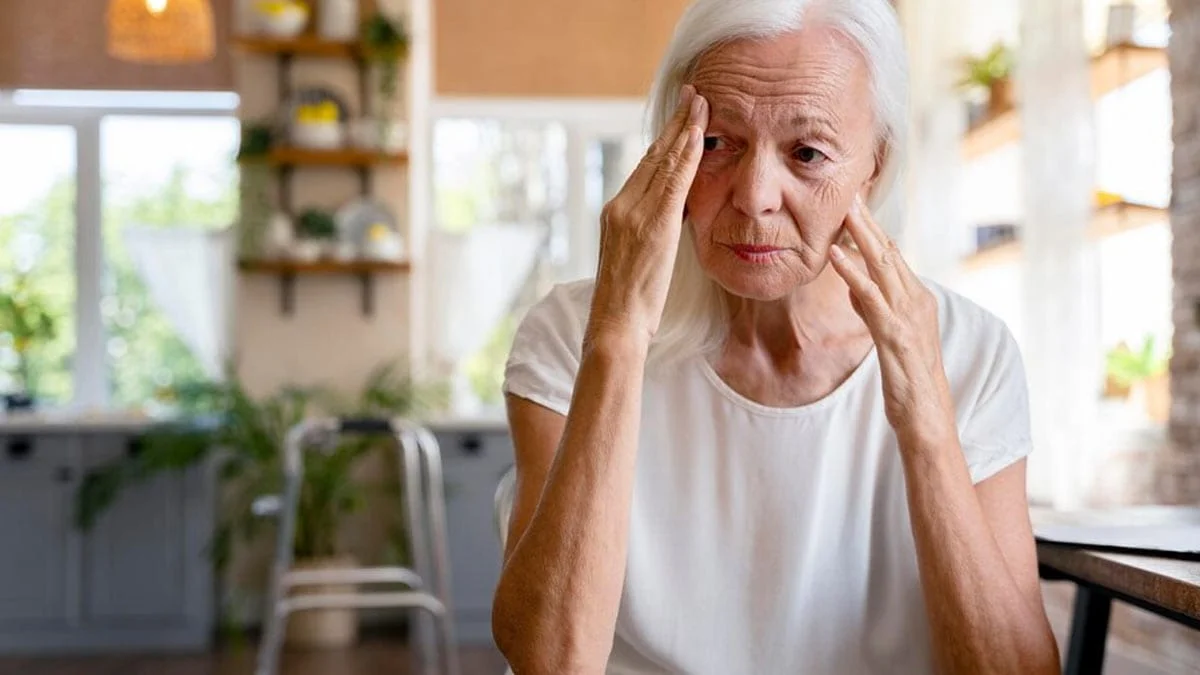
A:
x: 161, y: 31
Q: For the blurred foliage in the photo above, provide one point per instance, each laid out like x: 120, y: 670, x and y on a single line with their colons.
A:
x: 980, y: 72
x: 27, y: 322
x: 485, y: 368
x: 1126, y: 366
x: 144, y: 353
x: 221, y: 422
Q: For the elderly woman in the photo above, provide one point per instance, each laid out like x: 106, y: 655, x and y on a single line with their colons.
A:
x: 758, y: 442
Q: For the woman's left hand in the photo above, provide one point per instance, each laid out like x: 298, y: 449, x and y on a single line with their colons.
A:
x: 902, y: 315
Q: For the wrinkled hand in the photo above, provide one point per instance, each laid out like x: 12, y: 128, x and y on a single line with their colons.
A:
x: 902, y: 315
x: 641, y: 226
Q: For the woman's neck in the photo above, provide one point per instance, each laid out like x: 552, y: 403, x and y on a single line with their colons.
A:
x: 795, y: 350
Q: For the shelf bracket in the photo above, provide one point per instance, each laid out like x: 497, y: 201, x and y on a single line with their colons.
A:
x: 287, y: 293
x: 367, y: 282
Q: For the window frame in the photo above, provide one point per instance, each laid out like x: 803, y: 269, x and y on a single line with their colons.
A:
x: 90, y: 386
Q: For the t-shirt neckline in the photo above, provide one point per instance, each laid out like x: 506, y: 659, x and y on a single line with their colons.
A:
x: 860, y: 371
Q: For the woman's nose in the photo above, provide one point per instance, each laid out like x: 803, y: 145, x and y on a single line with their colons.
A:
x: 758, y: 186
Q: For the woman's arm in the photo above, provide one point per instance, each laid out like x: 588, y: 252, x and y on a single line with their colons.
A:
x: 974, y: 544
x: 978, y: 564
x: 555, y: 608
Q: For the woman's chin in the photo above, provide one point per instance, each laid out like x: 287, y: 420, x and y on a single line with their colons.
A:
x: 761, y: 283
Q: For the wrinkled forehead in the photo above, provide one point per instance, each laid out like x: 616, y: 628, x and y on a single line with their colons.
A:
x: 813, y: 73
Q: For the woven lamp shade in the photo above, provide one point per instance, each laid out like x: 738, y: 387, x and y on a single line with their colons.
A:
x: 161, y: 31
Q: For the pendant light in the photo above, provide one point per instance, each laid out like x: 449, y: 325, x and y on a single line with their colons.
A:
x: 161, y: 31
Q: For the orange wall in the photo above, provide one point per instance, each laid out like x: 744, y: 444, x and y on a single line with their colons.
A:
x: 60, y: 44
x: 552, y: 48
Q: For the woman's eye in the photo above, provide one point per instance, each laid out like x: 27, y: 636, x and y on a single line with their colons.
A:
x: 712, y: 143
x: 807, y: 155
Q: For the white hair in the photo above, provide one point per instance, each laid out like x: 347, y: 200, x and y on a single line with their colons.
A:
x: 696, y: 317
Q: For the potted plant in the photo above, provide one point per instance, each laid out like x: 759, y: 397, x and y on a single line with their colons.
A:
x: 25, y: 317
x: 385, y: 44
x: 992, y: 75
x: 245, y: 436
x: 315, y: 231
x: 254, y: 226
x: 1142, y: 374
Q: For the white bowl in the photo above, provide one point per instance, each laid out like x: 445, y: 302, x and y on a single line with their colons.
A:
x: 318, y: 135
x: 286, y: 24
x: 305, y: 250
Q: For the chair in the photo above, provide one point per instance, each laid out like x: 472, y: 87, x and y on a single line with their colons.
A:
x: 505, y: 492
x: 428, y: 584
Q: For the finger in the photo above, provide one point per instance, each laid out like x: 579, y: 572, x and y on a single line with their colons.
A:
x: 884, y: 263
x: 871, y: 304
x: 678, y: 168
x: 644, y: 173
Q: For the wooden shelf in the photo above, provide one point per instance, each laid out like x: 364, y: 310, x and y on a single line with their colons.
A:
x: 288, y: 270
x: 991, y: 257
x: 305, y: 45
x: 1125, y: 216
x: 1111, y: 70
x: 347, y: 157
x: 1106, y: 221
x: 323, y: 266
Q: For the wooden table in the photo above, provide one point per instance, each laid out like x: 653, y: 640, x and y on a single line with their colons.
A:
x: 1167, y: 587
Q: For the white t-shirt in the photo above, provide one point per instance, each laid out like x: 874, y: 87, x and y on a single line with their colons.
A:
x: 777, y: 540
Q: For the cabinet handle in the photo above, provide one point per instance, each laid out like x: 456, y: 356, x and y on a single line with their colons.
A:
x: 20, y: 447
x: 472, y: 445
x: 64, y: 474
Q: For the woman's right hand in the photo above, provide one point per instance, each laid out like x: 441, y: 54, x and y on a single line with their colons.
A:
x: 640, y: 227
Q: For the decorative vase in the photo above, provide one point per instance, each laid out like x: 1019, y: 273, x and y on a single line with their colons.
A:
x: 1156, y: 397
x: 337, y: 19
x: 323, y: 628
x: 1000, y: 96
x: 278, y: 240
x: 306, y: 250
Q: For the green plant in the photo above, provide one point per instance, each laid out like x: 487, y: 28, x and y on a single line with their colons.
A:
x: 1127, y: 367
x: 385, y: 43
x: 316, y: 224
x: 257, y: 139
x: 223, y: 423
x: 983, y: 71
x: 24, y: 316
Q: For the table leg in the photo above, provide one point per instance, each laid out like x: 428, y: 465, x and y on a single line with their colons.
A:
x: 1089, y: 630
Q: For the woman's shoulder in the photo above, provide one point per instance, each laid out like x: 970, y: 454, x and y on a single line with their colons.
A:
x: 546, y: 348
x: 967, y: 327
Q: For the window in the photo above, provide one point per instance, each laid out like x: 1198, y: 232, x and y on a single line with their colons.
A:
x: 109, y: 199
x: 518, y: 190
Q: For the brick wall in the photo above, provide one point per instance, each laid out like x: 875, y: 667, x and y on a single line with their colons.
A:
x: 1179, y: 479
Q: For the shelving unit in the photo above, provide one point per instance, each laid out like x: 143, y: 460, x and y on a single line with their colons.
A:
x: 286, y: 160
x: 288, y: 270
x: 1111, y: 70
x: 1106, y: 221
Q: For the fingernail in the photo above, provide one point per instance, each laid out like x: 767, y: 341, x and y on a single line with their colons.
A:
x: 685, y: 93
x: 697, y: 106
x: 693, y: 136
x: 836, y: 252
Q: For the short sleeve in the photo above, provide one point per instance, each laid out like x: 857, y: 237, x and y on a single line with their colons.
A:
x: 545, y: 354
x: 997, y: 432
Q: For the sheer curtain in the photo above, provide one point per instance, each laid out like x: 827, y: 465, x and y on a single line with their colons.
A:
x: 1060, y: 274
x: 188, y: 274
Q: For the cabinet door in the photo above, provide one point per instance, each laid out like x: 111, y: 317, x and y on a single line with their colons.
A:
x: 134, y: 557
x: 37, y: 479
x: 474, y: 463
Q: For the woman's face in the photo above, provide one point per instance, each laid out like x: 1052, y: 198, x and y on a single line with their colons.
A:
x: 791, y: 140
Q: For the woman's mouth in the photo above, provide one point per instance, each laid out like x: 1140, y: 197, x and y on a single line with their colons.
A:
x: 755, y: 254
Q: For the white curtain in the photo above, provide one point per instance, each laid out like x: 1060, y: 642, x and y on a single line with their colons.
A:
x: 475, y: 277
x: 1060, y: 275
x: 189, y: 276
